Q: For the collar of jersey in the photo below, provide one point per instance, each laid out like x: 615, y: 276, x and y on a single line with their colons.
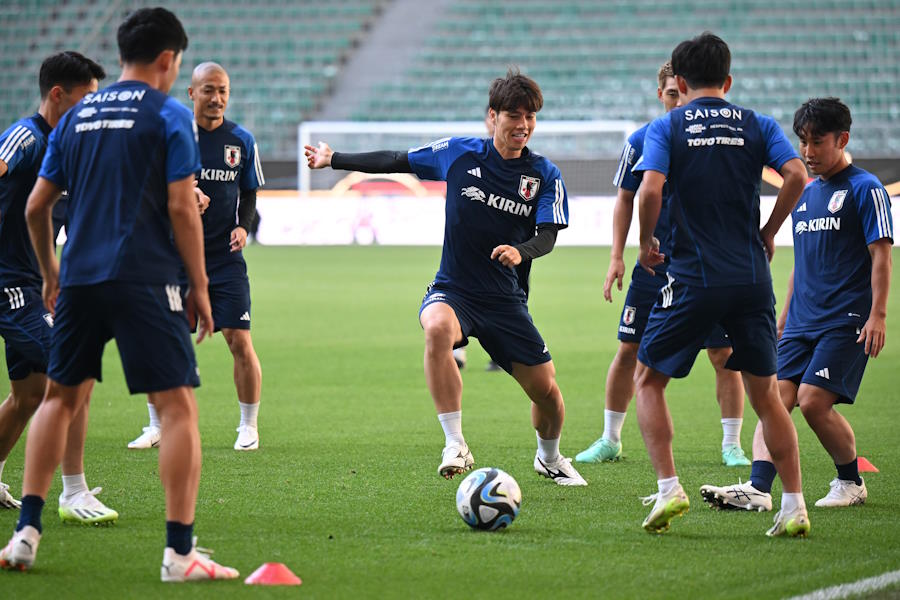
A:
x: 42, y: 123
x: 492, y: 151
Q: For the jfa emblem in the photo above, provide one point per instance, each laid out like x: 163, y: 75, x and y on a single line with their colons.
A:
x: 837, y: 201
x: 232, y: 156
x: 528, y: 187
x: 628, y: 315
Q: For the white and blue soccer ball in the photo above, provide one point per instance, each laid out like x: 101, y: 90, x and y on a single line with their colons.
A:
x: 488, y: 499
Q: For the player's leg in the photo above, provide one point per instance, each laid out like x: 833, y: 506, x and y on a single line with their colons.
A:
x: 248, y: 382
x: 547, y: 415
x: 655, y: 423
x: 77, y: 502
x: 619, y: 390
x: 442, y: 331
x: 755, y: 494
x: 838, y: 439
x: 44, y: 450
x: 730, y: 396
x: 179, y: 472
x: 25, y: 397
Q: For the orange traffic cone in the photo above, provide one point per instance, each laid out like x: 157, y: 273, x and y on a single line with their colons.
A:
x: 865, y: 466
x: 273, y: 574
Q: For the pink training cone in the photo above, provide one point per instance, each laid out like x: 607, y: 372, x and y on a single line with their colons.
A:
x: 273, y: 574
x: 865, y: 466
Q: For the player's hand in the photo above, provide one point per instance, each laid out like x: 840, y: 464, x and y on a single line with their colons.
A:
x: 199, y: 312
x: 238, y: 239
x: 318, y: 157
x: 873, y: 334
x: 50, y: 290
x: 202, y: 199
x: 650, y: 256
x: 507, y: 255
x: 768, y: 240
x: 615, y: 273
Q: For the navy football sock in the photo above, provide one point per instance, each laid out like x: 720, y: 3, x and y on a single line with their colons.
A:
x: 849, y: 472
x: 30, y: 513
x: 178, y: 537
x: 762, y: 474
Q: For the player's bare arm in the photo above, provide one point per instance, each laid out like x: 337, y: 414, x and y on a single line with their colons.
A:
x: 39, y: 215
x: 794, y: 174
x: 874, y: 331
x: 3, y: 168
x: 648, y: 212
x: 622, y: 213
x: 188, y: 231
x: 789, y: 293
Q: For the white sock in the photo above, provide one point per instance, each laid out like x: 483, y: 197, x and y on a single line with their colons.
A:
x: 791, y: 502
x: 667, y: 485
x: 2, y: 462
x: 154, y: 418
x: 612, y: 425
x: 73, y: 484
x: 548, y: 450
x: 731, y: 432
x: 249, y: 413
x: 451, y: 423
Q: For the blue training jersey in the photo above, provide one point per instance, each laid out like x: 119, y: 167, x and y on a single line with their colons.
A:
x: 627, y: 179
x: 230, y: 165
x: 712, y: 153
x: 834, y: 223
x: 490, y: 201
x: 116, y: 151
x: 22, y: 148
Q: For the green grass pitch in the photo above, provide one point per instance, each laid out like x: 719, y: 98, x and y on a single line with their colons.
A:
x: 344, y: 489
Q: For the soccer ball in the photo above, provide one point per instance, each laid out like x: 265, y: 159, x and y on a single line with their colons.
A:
x: 488, y: 499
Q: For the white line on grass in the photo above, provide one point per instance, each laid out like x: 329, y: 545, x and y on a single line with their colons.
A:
x: 846, y: 590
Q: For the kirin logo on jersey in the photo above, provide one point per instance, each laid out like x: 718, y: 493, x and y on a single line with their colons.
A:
x: 528, y: 187
x: 628, y: 315
x: 232, y: 156
x: 837, y: 201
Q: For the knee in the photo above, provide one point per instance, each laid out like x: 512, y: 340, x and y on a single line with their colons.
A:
x: 439, y: 334
x: 718, y: 357
x: 24, y: 405
x: 814, y: 407
x: 241, y: 346
x: 626, y: 355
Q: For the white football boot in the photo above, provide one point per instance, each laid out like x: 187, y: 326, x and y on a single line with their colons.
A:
x: 844, y: 493
x: 739, y: 496
x: 247, y: 439
x: 21, y: 550
x: 195, y: 566
x: 84, y: 508
x: 148, y: 439
x: 560, y: 471
x: 455, y: 459
x: 6, y: 499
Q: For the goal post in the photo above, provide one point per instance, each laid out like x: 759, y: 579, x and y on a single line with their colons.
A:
x: 574, y: 142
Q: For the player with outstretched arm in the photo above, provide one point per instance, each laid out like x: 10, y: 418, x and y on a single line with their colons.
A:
x: 505, y: 205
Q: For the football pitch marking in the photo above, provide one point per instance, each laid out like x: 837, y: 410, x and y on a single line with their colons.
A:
x: 847, y: 590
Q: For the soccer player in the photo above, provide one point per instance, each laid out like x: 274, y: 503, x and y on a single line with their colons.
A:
x: 230, y: 176
x: 712, y: 153
x: 25, y: 325
x: 642, y: 292
x: 836, y: 308
x: 128, y: 153
x: 504, y: 207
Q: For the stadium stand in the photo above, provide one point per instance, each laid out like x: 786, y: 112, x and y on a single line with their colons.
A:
x: 282, y: 55
x: 595, y: 60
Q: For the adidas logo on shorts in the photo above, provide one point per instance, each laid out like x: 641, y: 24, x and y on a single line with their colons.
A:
x: 245, y: 316
x: 823, y: 373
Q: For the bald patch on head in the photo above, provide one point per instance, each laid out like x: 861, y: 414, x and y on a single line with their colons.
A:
x: 206, y: 68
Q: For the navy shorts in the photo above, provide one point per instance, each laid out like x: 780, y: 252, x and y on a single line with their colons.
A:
x: 830, y: 359
x: 229, y: 295
x: 684, y: 316
x: 503, y: 327
x: 26, y: 327
x: 639, y: 301
x: 149, y: 326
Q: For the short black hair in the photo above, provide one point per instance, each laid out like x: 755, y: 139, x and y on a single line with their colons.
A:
x: 515, y: 91
x: 148, y: 31
x: 67, y: 69
x: 704, y: 61
x: 819, y: 116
